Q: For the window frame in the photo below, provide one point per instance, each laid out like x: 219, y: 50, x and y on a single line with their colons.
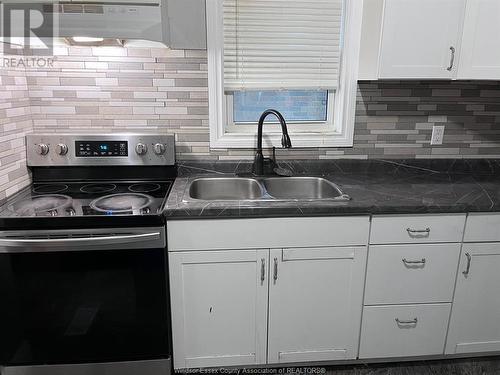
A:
x: 338, y: 131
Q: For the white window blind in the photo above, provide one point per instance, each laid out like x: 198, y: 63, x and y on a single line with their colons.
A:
x: 282, y: 44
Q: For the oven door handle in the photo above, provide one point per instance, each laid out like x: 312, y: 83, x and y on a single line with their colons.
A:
x: 30, y: 244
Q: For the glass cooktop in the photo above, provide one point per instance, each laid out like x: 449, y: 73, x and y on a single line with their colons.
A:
x: 88, y: 199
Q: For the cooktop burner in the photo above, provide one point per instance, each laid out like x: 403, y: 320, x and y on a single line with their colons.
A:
x: 119, y: 203
x: 98, y: 188
x: 144, y: 188
x: 102, y: 198
x: 40, y: 204
x: 50, y: 188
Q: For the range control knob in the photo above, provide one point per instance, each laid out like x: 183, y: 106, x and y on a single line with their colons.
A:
x: 159, y: 149
x: 61, y: 149
x: 141, y: 149
x: 42, y: 149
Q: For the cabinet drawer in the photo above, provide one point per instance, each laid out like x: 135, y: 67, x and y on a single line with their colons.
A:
x: 398, y: 274
x: 228, y: 234
x: 417, y: 229
x: 421, y: 330
x: 482, y: 228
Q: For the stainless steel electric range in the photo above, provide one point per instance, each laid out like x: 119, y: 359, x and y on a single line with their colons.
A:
x: 83, y: 267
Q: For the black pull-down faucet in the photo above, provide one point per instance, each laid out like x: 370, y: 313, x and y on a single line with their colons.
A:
x: 258, y: 165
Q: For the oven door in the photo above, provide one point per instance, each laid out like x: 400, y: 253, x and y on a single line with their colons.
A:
x: 83, y: 296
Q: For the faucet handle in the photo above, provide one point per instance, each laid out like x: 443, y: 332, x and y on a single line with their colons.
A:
x: 284, y: 172
x: 280, y: 171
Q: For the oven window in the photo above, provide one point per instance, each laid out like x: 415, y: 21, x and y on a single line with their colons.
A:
x: 94, y: 306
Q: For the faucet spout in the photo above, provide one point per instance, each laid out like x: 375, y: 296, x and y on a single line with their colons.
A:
x: 258, y: 166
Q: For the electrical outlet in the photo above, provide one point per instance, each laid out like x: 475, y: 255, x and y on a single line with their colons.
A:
x: 437, y: 135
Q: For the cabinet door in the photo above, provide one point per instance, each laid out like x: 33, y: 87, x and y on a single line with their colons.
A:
x: 315, y: 301
x: 474, y: 325
x: 418, y: 37
x: 219, y: 307
x: 480, y: 57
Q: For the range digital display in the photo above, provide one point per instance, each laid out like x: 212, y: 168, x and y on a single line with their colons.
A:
x: 101, y: 149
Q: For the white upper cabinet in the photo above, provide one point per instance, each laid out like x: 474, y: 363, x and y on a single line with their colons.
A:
x: 315, y: 302
x: 421, y: 39
x: 474, y: 326
x: 480, y: 57
x: 187, y: 23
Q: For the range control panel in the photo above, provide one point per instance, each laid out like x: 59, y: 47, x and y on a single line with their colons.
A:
x: 105, y: 149
x: 101, y: 148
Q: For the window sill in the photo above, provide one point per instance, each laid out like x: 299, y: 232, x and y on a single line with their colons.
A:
x: 303, y: 140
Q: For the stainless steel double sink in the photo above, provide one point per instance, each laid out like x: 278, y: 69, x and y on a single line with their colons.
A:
x: 270, y: 188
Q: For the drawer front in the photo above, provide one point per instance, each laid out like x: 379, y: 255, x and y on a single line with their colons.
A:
x: 417, y: 229
x: 482, y: 228
x: 228, y: 234
x: 421, y: 330
x: 398, y: 274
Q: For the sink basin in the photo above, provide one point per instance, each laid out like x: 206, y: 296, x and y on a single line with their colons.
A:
x: 225, y: 189
x: 303, y: 188
x: 268, y: 189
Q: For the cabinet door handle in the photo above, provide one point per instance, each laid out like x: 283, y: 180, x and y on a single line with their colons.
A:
x: 275, y: 273
x: 263, y: 270
x: 413, y: 321
x: 405, y: 261
x: 415, y: 231
x: 452, y: 59
x: 469, y: 260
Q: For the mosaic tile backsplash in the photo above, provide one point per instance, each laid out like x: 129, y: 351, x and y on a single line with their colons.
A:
x: 116, y: 89
x: 15, y: 123
x: 110, y: 89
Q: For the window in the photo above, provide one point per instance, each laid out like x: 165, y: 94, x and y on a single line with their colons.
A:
x: 296, y: 56
x: 297, y: 106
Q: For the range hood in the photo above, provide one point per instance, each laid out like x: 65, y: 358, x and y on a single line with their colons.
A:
x: 178, y: 24
x: 113, y: 20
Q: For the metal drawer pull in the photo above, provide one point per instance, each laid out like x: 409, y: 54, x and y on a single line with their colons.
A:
x: 414, y: 321
x: 275, y: 273
x: 469, y: 260
x: 263, y: 270
x: 452, y: 59
x: 410, y: 231
x: 423, y: 261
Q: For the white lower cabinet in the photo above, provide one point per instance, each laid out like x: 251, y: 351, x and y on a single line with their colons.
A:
x: 315, y: 300
x: 290, y: 290
x: 404, y: 330
x: 475, y: 319
x: 259, y: 291
x: 219, y: 307
x: 411, y: 272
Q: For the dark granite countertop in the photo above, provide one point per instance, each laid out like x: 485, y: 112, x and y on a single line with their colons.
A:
x: 376, y: 187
